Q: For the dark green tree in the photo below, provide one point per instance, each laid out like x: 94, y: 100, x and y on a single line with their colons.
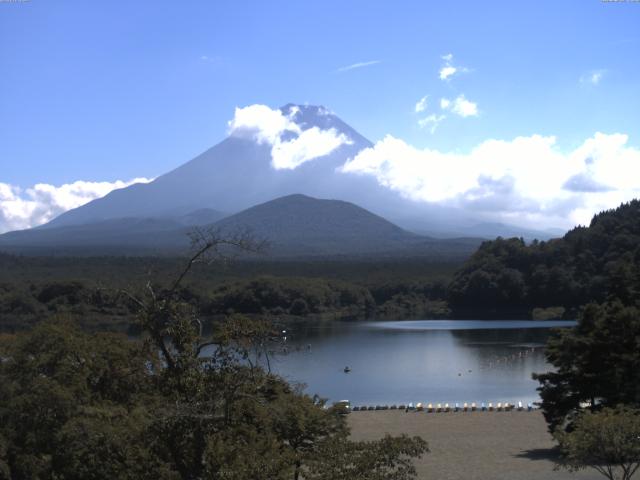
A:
x: 596, y: 363
x: 607, y: 441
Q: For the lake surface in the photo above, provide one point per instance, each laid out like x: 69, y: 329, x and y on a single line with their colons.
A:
x: 418, y: 361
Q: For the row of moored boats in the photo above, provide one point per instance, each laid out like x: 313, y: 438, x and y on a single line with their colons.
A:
x: 445, y: 407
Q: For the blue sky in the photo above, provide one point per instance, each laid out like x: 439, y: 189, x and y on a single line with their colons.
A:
x: 111, y: 90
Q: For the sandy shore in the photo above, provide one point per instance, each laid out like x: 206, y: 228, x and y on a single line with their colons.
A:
x: 478, y: 445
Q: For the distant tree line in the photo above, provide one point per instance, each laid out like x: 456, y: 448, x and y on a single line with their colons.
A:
x: 23, y: 304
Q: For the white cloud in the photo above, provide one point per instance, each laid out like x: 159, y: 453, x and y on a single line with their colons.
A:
x: 421, y: 105
x: 311, y: 143
x: 26, y: 208
x: 460, y: 106
x: 353, y: 66
x: 431, y: 122
x: 291, y: 146
x: 593, y: 78
x: 448, y: 70
x: 527, y: 180
x: 263, y: 123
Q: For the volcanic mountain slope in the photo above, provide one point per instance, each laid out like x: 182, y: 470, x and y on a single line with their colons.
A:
x: 234, y: 175
x: 301, y: 224
x: 294, y: 226
x: 240, y: 172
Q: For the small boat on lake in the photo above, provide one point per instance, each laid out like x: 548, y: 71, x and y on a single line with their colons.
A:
x: 347, y: 369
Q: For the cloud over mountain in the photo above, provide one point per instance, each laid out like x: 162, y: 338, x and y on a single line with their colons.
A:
x: 527, y: 179
x: 291, y: 145
x: 30, y: 207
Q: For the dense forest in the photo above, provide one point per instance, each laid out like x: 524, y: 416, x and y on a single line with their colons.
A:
x: 90, y: 289
x: 505, y: 278
x: 102, y: 406
x: 589, y: 264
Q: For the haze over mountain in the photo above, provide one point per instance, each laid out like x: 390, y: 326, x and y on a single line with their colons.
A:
x: 293, y: 226
x: 298, y: 149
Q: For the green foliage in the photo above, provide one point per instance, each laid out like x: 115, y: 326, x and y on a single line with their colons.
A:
x: 79, y: 406
x: 315, y: 291
x: 607, y: 441
x: 594, y: 264
x: 597, y: 362
x: 56, y: 375
x: 172, y: 405
x: 386, y: 459
x: 548, y: 313
x: 4, y: 460
x: 294, y: 296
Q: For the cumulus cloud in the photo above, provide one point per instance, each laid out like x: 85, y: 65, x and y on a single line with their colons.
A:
x: 311, y: 143
x: 291, y: 146
x: 583, y: 182
x: 421, y: 105
x: 448, y: 69
x: 460, y: 106
x: 527, y: 179
x: 353, y: 66
x: 30, y: 207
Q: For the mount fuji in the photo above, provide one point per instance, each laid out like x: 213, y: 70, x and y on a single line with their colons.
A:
x: 301, y: 157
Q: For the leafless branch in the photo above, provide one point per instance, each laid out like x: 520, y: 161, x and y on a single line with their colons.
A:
x: 208, y: 244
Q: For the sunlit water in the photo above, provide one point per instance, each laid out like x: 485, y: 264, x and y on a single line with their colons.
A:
x: 418, y: 361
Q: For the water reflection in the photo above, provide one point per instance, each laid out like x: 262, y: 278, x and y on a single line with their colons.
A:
x: 399, y: 362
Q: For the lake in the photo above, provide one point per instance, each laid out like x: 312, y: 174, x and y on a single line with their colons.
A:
x: 418, y: 361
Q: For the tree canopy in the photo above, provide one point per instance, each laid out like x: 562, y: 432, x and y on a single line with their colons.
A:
x: 589, y: 264
x: 80, y: 406
x: 596, y: 363
x: 607, y: 441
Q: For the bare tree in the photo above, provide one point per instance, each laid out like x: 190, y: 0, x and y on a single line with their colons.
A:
x: 172, y: 324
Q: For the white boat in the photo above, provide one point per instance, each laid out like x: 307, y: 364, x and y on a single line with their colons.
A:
x: 343, y: 406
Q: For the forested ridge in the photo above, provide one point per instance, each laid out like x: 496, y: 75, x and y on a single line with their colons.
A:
x: 589, y: 264
x: 505, y: 278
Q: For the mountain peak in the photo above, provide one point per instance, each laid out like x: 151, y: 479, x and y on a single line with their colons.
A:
x: 309, y: 116
x: 305, y: 109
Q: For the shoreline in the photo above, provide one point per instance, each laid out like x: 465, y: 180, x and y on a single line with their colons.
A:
x: 494, y: 445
